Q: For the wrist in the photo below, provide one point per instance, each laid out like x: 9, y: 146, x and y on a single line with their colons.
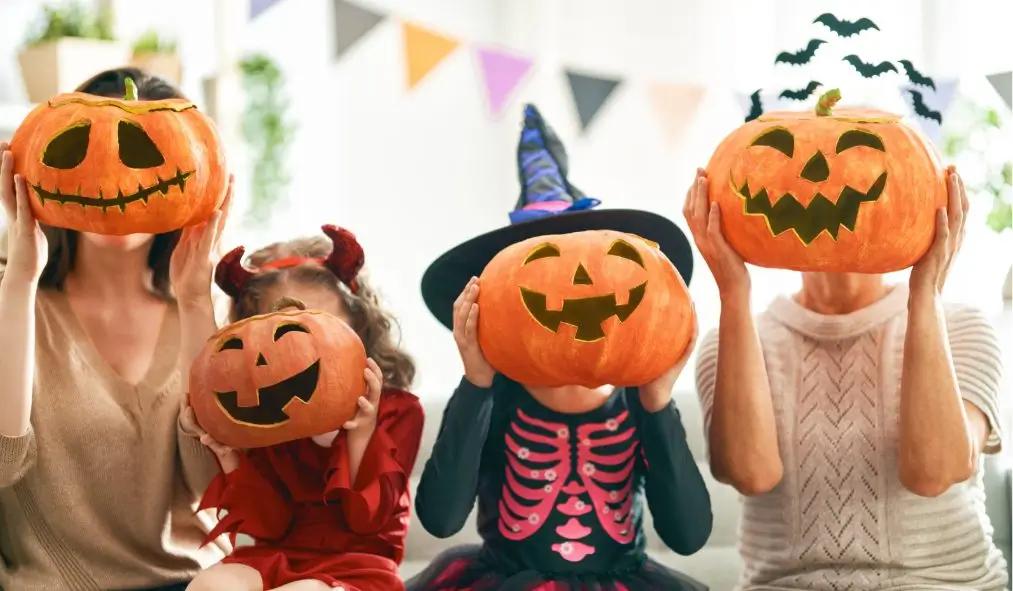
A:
x: 922, y: 295
x: 19, y: 281
x: 654, y: 399
x: 480, y: 379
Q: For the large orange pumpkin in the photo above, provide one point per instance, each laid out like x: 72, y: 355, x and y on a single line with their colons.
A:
x: 111, y: 166
x: 277, y: 377
x: 843, y: 190
x: 588, y: 308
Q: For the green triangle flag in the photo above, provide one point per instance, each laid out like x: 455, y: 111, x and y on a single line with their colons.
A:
x: 351, y: 23
x: 589, y: 94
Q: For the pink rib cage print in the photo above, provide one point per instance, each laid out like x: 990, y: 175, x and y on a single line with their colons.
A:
x: 551, y: 470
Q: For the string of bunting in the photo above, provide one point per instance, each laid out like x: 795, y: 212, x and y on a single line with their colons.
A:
x: 503, y: 71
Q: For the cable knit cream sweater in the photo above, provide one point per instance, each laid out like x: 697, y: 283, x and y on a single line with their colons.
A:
x: 840, y: 518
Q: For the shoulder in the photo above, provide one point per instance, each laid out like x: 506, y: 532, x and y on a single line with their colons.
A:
x: 400, y: 402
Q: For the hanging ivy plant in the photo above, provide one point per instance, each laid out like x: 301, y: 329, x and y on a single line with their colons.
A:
x: 267, y: 132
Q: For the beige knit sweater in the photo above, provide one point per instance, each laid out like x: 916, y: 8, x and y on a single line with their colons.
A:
x: 100, y: 494
x: 840, y: 520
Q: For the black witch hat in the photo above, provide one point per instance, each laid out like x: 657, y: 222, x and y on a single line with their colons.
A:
x: 548, y: 204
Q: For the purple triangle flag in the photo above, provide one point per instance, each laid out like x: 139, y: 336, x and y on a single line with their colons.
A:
x: 259, y: 6
x: 928, y: 107
x: 502, y: 72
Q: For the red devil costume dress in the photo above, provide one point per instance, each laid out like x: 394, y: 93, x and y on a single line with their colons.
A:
x: 297, y: 500
x: 309, y: 520
x: 560, y: 496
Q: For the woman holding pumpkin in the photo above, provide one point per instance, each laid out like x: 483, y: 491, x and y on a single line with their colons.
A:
x: 330, y: 510
x: 559, y: 463
x: 853, y: 414
x: 97, y: 480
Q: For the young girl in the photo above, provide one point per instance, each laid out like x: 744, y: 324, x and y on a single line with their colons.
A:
x: 560, y: 473
x: 330, y: 511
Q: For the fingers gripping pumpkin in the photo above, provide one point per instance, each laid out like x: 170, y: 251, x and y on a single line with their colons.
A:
x: 579, y: 308
x: 277, y: 377
x: 111, y: 166
x: 846, y: 190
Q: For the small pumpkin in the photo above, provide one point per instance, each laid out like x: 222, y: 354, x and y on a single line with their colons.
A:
x: 839, y: 190
x: 587, y: 308
x: 277, y: 377
x: 112, y: 166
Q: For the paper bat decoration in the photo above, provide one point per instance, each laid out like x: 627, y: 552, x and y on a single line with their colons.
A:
x: 802, y: 93
x: 755, y: 106
x: 845, y: 28
x: 801, y: 56
x: 922, y: 109
x: 869, y: 70
x: 915, y: 76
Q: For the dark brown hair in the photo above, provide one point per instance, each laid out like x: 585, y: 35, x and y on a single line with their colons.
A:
x: 63, y: 242
x: 374, y: 325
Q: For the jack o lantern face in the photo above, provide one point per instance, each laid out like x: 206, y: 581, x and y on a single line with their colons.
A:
x: 113, y: 166
x: 277, y: 377
x: 577, y: 308
x: 852, y: 191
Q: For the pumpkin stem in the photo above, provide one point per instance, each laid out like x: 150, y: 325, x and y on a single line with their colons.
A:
x: 825, y: 106
x: 287, y: 302
x: 131, y: 89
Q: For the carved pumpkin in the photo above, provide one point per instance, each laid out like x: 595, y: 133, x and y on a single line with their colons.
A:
x: 845, y: 190
x: 111, y: 166
x: 588, y: 308
x: 277, y: 377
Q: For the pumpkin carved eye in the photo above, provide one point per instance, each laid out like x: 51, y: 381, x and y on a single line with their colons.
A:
x: 778, y: 138
x: 621, y: 248
x: 232, y: 343
x: 287, y: 328
x: 542, y: 251
x: 136, y: 148
x: 68, y: 149
x: 859, y: 137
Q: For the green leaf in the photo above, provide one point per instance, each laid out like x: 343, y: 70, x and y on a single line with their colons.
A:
x: 1001, y: 216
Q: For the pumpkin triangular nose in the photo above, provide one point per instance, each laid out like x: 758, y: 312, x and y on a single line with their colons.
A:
x: 261, y: 360
x: 816, y: 170
x: 581, y: 276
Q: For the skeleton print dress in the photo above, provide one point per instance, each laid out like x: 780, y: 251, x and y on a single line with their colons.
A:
x: 560, y: 496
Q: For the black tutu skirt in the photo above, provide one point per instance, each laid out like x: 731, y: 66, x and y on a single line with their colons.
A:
x: 466, y: 568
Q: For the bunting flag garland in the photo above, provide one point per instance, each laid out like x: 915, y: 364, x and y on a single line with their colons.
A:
x: 259, y: 6
x: 351, y: 23
x: 589, y: 94
x: 675, y: 106
x: 424, y: 49
x: 502, y: 72
x: 928, y: 106
x: 1003, y: 85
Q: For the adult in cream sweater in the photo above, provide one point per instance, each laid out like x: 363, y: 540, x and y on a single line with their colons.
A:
x: 98, y: 481
x: 852, y: 417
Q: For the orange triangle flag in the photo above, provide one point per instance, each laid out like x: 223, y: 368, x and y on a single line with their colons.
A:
x: 424, y: 50
x: 675, y: 105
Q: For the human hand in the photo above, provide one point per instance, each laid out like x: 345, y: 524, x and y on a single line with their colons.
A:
x: 928, y: 275
x: 193, y: 258
x: 27, y: 247
x: 704, y: 219
x: 656, y: 394
x: 476, y: 369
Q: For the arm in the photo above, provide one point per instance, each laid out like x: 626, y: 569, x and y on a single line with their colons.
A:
x: 254, y: 501
x: 27, y: 254
x: 449, y: 482
x: 378, y: 490
x: 676, y: 493
x: 731, y: 374
x: 939, y: 439
x: 190, y: 274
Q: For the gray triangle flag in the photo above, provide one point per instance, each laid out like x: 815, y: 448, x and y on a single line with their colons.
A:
x: 351, y: 23
x: 1003, y: 84
x: 589, y: 94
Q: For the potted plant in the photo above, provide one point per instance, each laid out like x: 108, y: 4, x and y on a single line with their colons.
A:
x: 69, y: 44
x: 157, y: 55
x: 978, y: 137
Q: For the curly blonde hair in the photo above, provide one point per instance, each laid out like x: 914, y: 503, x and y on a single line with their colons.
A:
x: 374, y: 325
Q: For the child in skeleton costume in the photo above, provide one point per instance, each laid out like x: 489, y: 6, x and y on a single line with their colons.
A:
x: 332, y: 509
x: 560, y: 473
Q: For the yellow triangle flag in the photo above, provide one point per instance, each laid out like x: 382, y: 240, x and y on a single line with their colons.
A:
x: 424, y: 50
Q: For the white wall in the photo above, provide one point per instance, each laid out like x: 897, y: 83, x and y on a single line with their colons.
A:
x: 415, y: 173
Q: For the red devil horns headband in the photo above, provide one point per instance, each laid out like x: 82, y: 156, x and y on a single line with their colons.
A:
x: 345, y: 261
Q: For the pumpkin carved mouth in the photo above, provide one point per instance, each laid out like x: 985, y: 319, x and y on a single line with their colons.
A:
x: 121, y: 200
x: 270, y: 410
x: 586, y: 314
x: 809, y: 221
